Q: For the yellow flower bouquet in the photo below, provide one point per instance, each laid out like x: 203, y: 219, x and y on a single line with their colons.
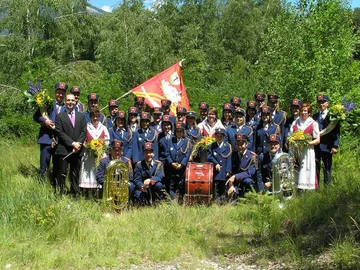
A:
x: 298, y: 140
x: 203, y: 144
x: 96, y: 148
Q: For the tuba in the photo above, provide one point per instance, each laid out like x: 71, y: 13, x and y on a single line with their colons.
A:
x: 283, y: 185
x: 116, y: 186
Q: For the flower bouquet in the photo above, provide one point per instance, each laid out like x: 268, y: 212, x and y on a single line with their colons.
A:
x: 296, y: 142
x: 96, y: 148
x: 201, y: 145
x: 39, y: 98
x: 338, y: 112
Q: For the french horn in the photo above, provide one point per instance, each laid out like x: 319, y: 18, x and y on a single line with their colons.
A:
x: 116, y: 185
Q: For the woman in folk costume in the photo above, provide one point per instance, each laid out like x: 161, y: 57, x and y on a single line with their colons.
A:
x: 120, y: 132
x: 305, y: 176
x: 95, y: 131
x: 210, y: 123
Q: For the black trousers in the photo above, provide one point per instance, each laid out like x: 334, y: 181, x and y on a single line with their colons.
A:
x: 326, y: 158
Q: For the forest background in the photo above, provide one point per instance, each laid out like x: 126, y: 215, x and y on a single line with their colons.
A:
x: 232, y: 48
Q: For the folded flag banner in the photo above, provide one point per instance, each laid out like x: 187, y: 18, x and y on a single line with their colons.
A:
x: 166, y: 85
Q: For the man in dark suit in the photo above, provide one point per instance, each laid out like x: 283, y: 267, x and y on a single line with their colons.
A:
x: 46, y: 138
x: 329, y: 142
x: 70, y: 128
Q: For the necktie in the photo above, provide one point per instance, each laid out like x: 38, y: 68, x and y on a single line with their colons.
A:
x: 72, y: 118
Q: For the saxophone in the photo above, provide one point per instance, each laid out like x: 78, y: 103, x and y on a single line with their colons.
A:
x: 116, y: 186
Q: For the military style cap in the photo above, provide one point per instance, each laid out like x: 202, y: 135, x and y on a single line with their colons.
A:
x: 241, y: 137
x: 240, y: 111
x: 322, y: 97
x: 145, y: 116
x: 93, y: 96
x: 203, y: 106
x: 235, y: 101
x: 139, y: 100
x: 220, y: 131
x: 113, y: 103
x: 191, y: 114
x: 133, y: 110
x: 120, y: 114
x: 274, y: 138
x: 180, y: 109
x: 228, y: 106
x: 116, y: 144
x: 259, y: 96
x: 166, y: 118
x: 165, y: 103
x: 75, y: 89
x: 158, y: 110
x: 179, y: 125
x: 251, y: 104
x: 296, y: 102
x: 148, y: 146
x: 61, y: 85
x: 273, y: 97
x: 266, y: 109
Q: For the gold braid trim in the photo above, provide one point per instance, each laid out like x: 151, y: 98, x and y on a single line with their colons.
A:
x: 187, y: 147
x: 131, y: 135
x: 252, y: 160
x: 158, y: 167
x: 153, y: 138
x: 230, y: 151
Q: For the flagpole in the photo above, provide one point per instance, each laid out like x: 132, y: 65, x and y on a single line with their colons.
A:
x: 124, y: 95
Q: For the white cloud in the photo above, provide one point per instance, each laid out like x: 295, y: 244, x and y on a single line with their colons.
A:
x: 106, y: 8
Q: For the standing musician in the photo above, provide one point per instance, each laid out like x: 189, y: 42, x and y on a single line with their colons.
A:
x: 116, y: 153
x: 203, y: 111
x: 239, y: 126
x: 227, y: 115
x: 93, y: 103
x: 113, y: 108
x: 133, y: 121
x: 180, y: 114
x: 157, y: 119
x: 178, y: 154
x: 295, y: 113
x: 191, y: 128
x: 75, y: 90
x: 252, y: 120
x: 121, y: 132
x: 46, y: 138
x: 165, y: 105
x: 260, y: 102
x: 244, y: 176
x: 148, y: 175
x: 164, y: 140
x: 220, y: 153
x: 140, y: 104
x: 278, y: 116
x: 236, y: 103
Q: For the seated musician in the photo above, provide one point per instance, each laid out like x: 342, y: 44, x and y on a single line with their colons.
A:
x: 265, y: 160
x: 244, y: 176
x: 115, y: 154
x: 219, y: 153
x: 148, y: 175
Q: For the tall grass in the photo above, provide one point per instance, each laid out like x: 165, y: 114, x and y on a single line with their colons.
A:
x: 40, y: 230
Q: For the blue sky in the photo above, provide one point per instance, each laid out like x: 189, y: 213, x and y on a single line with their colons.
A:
x: 108, y: 5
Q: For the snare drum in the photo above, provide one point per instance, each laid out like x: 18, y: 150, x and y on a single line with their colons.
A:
x: 199, y: 183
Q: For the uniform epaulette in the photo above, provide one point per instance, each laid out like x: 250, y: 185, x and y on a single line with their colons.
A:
x: 253, y: 153
x: 138, y: 162
x: 126, y: 158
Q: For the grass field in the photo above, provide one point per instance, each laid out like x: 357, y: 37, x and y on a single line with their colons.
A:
x: 41, y: 231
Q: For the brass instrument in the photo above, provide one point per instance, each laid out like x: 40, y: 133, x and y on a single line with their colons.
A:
x: 283, y: 182
x: 116, y: 185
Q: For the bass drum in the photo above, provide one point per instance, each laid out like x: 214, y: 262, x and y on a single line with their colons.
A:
x: 198, y: 183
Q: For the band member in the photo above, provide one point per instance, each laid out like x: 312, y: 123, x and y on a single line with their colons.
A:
x: 260, y: 102
x: 252, y: 120
x: 264, y: 129
x: 148, y: 175
x: 278, y: 116
x: 329, y: 143
x: 46, y: 138
x: 165, y: 105
x: 227, y: 115
x: 265, y: 160
x: 178, y: 154
x: 236, y: 103
x: 157, y: 119
x: 70, y: 128
x: 191, y: 128
x: 133, y: 121
x: 203, y: 111
x: 164, y: 140
x: 113, y: 109
x: 143, y: 135
x: 181, y: 113
x: 294, y: 113
x: 210, y: 124
x: 140, y: 104
x: 93, y: 103
x: 75, y: 90
x: 238, y: 127
x: 116, y: 153
x: 219, y: 153
x: 121, y: 132
x: 244, y: 175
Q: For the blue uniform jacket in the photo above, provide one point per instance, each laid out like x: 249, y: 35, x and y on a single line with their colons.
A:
x: 245, y: 166
x: 279, y: 119
x: 178, y: 152
x: 46, y: 135
x: 330, y: 140
x: 220, y: 156
x: 245, y: 130
x: 139, y: 139
x: 163, y: 147
x: 104, y: 162
x: 142, y: 172
x: 109, y: 122
x: 193, y: 134
x: 265, y: 162
x: 126, y: 139
x: 262, y: 138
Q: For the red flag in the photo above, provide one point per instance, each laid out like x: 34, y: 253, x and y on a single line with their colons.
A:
x: 166, y: 85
